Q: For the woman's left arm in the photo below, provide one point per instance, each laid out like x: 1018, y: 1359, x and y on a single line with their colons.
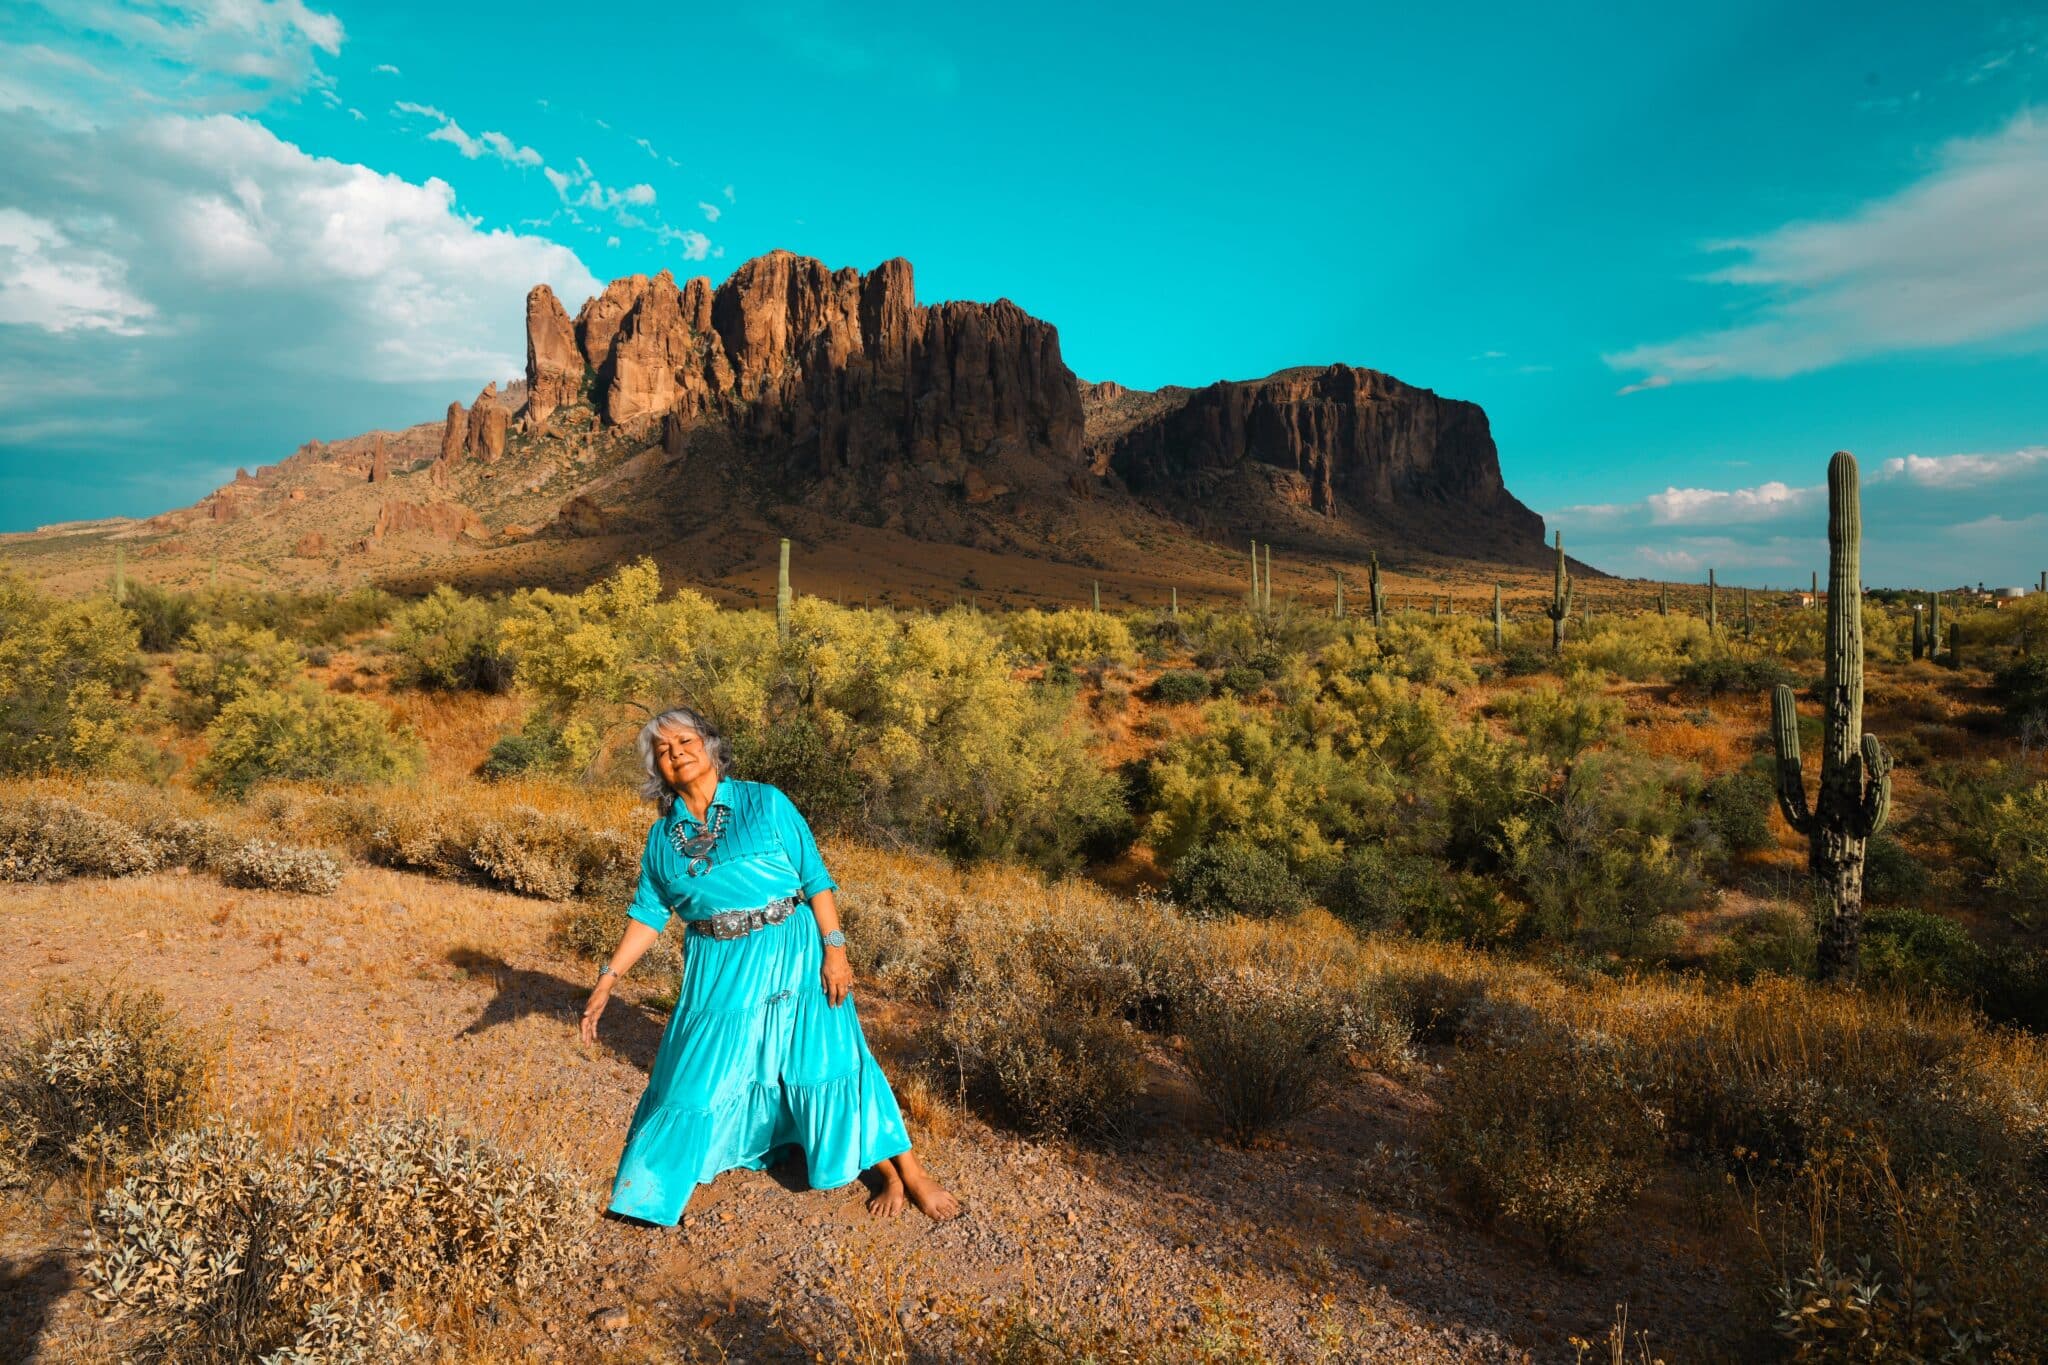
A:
x: 838, y: 972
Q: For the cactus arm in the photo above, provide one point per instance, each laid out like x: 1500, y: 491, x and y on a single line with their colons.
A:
x: 1877, y: 792
x: 1791, y: 784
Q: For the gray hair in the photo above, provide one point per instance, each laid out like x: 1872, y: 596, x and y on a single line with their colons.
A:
x: 656, y: 788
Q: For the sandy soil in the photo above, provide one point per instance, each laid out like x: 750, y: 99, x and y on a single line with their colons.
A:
x: 402, y: 992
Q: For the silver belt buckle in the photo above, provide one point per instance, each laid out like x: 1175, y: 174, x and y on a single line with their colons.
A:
x: 730, y: 924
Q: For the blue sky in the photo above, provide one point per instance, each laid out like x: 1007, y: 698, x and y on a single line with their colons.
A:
x: 1680, y: 254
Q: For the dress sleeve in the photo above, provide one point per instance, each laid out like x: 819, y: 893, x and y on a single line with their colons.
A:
x: 647, y: 905
x: 795, y: 833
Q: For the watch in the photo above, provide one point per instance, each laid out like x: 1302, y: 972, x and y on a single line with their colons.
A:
x: 835, y: 939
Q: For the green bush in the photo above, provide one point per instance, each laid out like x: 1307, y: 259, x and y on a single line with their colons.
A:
x: 1241, y: 680
x: 794, y: 753
x: 1774, y: 941
x: 1717, y: 675
x: 1562, y: 721
x: 1738, y: 806
x: 2012, y: 987
x: 2023, y: 687
x: 1891, y: 875
x: 449, y: 642
x: 1069, y: 637
x: 1235, y: 879
x: 537, y: 748
x: 304, y: 733
x: 1264, y: 1045
x: 1919, y: 951
x: 1179, y: 687
x: 99, y: 1075
x: 225, y: 662
x: 1545, y: 1131
x: 161, y: 617
x: 2018, y: 830
x: 1522, y: 661
x: 67, y: 672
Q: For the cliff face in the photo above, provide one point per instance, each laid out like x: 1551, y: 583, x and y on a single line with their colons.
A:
x: 822, y: 371
x: 1348, y: 437
x: 842, y: 390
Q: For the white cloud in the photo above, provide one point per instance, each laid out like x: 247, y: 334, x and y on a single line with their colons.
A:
x: 211, y: 236
x: 384, y: 69
x: 1655, y: 381
x: 1710, y: 506
x: 639, y: 194
x: 1958, y: 257
x: 696, y: 246
x: 710, y: 211
x: 473, y: 148
x: 1963, y: 471
x: 611, y: 241
x: 644, y: 145
x: 728, y: 194
x: 49, y: 282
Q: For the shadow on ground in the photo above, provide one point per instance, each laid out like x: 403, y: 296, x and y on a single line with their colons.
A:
x: 632, y: 1031
x: 29, y: 1291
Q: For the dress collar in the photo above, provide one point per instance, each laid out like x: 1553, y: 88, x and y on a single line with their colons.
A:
x: 721, y: 795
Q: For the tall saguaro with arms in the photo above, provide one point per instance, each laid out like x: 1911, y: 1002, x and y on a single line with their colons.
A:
x: 1855, y: 771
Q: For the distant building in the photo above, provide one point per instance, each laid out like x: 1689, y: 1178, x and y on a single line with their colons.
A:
x: 2004, y: 595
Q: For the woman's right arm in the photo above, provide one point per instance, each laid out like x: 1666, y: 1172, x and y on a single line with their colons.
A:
x: 637, y: 940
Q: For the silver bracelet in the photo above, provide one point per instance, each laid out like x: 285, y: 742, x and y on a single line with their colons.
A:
x: 606, y: 970
x: 835, y: 939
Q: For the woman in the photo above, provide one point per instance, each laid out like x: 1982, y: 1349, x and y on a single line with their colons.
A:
x: 764, y: 1050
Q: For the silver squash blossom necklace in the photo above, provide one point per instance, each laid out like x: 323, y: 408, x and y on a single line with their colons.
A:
x: 697, y: 847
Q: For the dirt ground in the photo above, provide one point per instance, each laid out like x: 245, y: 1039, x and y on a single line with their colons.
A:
x: 402, y: 993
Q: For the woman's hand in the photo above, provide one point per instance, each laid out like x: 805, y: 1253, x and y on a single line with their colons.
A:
x: 599, y: 998
x: 837, y: 975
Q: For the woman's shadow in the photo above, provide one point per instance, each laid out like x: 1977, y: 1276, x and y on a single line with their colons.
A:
x: 633, y: 1031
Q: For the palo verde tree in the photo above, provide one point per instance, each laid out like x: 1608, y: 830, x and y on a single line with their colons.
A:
x: 1855, y: 771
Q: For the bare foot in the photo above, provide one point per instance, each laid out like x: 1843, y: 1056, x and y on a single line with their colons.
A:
x: 930, y: 1197
x: 887, y: 1202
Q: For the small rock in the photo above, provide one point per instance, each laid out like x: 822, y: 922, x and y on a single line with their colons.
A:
x: 612, y: 1319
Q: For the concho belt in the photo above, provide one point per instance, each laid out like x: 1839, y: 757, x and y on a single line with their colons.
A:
x: 738, y: 923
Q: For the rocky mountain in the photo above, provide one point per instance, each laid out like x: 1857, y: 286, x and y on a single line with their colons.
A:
x: 941, y: 447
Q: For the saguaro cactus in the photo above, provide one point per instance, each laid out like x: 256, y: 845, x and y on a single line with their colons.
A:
x: 1815, y: 591
x: 1560, y: 600
x: 1175, y: 590
x: 1378, y: 594
x: 1663, y: 600
x: 1919, y: 637
x: 782, y: 596
x: 1266, y: 582
x: 1934, y: 627
x: 1713, y: 604
x: 1855, y: 771
x: 1255, y: 575
x: 1745, y: 613
x: 120, y: 574
x: 1499, y: 621
x: 1955, y: 645
x: 1095, y: 587
x: 1340, y: 593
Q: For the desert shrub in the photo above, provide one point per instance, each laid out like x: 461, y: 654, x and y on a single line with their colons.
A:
x: 1240, y: 680
x: 1919, y: 951
x: 796, y: 755
x: 1235, y: 879
x: 2018, y: 838
x: 304, y: 733
x: 449, y: 641
x: 1715, y: 675
x: 162, y: 617
x: 66, y: 672
x: 536, y: 748
x: 99, y: 1075
x: 45, y: 839
x: 1738, y: 806
x: 418, y: 835
x: 1436, y: 1006
x: 553, y: 856
x: 266, y: 866
x: 1522, y: 661
x: 1546, y: 1131
x: 1178, y: 687
x: 1434, y: 651
x: 1601, y: 865
x: 1484, y: 784
x: 952, y: 752
x: 224, y: 662
x: 1562, y: 721
x: 1891, y: 874
x: 2023, y: 688
x: 1774, y: 941
x: 1069, y: 637
x: 1640, y: 647
x: 591, y: 929
x: 1050, y: 1063
x: 233, y: 1252
x: 1263, y: 1044
x: 1375, y: 888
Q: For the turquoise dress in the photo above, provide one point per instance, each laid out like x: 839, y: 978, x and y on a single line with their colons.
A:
x: 755, y: 1059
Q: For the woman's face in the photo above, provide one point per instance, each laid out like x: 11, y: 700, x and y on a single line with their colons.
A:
x: 679, y: 756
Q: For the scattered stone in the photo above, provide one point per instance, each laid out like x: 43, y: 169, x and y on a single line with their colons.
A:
x: 612, y: 1319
